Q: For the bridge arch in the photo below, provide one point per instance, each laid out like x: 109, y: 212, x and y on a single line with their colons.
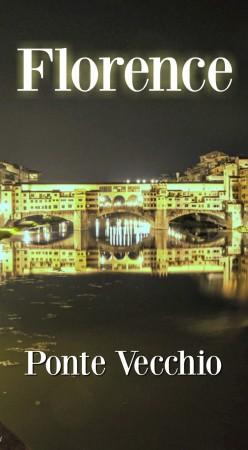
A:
x: 138, y: 213
x: 60, y: 214
x: 44, y: 219
x: 217, y: 217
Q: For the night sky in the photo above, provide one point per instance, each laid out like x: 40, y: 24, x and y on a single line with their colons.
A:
x: 81, y: 138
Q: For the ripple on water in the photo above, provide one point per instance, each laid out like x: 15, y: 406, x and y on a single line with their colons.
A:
x: 44, y: 346
x: 14, y: 316
x: 86, y: 294
x: 97, y: 286
x: 8, y: 363
x: 49, y: 316
x: 37, y: 302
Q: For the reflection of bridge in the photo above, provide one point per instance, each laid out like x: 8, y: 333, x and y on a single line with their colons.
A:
x: 157, y: 202
x: 227, y: 261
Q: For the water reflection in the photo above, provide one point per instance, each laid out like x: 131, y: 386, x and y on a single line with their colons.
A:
x: 129, y: 246
x: 47, y: 233
x: 122, y: 232
x: 137, y: 291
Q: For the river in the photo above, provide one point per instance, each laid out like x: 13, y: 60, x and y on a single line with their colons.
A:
x: 122, y: 286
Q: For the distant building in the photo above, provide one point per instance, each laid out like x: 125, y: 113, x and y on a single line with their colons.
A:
x: 12, y: 173
x: 243, y: 184
x: 219, y: 167
x: 211, y: 167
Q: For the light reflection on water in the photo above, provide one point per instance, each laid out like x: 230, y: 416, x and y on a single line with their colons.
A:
x: 125, y: 245
x: 47, y: 233
x: 123, y: 232
x: 153, y: 291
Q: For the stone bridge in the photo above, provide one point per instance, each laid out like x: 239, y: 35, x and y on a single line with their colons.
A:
x: 157, y: 202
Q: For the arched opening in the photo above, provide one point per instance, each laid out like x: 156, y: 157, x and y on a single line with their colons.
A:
x: 105, y: 201
x: 133, y: 255
x: 199, y: 220
x: 119, y: 255
x: 106, y: 255
x: 133, y: 201
x: 119, y: 200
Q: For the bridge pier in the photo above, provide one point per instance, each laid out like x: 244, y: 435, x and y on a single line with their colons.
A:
x: 161, y: 220
x: 234, y: 243
x: 161, y: 239
x: 80, y: 239
x: 80, y: 225
x: 234, y: 216
x: 80, y: 220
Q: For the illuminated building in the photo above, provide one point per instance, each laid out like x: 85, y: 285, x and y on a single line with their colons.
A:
x: 210, y: 165
x: 12, y: 173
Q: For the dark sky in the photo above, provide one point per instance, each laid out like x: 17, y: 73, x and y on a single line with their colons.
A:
x: 78, y: 138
